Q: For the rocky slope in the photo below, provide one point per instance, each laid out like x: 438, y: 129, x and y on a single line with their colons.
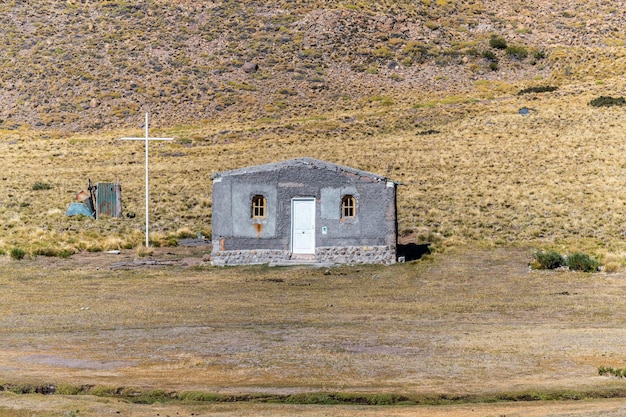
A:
x: 82, y: 65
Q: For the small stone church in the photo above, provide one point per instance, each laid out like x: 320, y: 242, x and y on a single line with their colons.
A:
x: 303, y: 210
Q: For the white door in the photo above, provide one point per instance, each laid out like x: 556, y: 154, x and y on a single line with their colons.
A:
x: 303, y: 225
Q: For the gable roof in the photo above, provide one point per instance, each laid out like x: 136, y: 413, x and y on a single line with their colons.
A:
x: 310, y: 163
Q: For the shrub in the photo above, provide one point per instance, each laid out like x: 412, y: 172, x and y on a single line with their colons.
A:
x: 616, y: 372
x: 41, y: 186
x: 539, y: 89
x: 582, y: 262
x: 497, y: 42
x: 18, y: 253
x: 607, y: 101
x: 490, y: 56
x: 517, y: 51
x: 547, y: 260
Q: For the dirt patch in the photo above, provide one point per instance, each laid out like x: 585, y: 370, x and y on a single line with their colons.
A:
x: 73, y: 363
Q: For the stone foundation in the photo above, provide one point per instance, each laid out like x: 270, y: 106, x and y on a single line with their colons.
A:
x: 356, y: 255
x: 325, y: 255
x: 248, y: 257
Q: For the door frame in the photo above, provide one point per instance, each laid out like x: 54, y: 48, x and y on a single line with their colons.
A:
x: 293, y: 217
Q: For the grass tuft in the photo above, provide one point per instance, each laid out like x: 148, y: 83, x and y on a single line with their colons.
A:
x: 17, y: 253
x: 41, y: 186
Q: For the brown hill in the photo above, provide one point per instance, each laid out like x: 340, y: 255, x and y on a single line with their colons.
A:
x: 85, y: 65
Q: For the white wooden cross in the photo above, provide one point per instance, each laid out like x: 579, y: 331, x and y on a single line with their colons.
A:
x: 147, y: 139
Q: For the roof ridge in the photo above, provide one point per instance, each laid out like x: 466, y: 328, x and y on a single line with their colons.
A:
x: 294, y: 161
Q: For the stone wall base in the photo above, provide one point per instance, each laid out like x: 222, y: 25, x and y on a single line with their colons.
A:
x: 249, y: 257
x: 326, y: 255
x: 356, y: 255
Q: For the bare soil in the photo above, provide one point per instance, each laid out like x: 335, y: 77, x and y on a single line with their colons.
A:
x: 467, y: 322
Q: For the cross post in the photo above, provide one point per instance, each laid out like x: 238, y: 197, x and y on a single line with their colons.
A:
x: 147, y: 138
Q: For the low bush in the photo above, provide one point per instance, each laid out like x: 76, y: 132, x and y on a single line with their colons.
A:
x: 424, y: 133
x: 497, y: 42
x: 41, y: 186
x: 539, y: 89
x: 608, y: 101
x: 547, y: 260
x: 616, y: 372
x: 18, y: 253
x: 490, y: 56
x: 582, y: 262
x: 517, y: 51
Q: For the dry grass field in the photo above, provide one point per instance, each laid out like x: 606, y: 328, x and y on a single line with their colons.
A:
x: 473, y: 171
x: 474, y: 325
x: 485, y: 185
x: 410, y: 90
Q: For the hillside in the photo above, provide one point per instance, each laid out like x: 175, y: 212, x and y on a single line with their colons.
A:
x: 88, y: 65
x: 427, y: 93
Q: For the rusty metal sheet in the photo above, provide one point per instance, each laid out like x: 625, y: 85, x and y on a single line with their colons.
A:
x: 109, y: 199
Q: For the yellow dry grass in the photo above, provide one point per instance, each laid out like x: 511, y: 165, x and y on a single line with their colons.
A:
x: 473, y: 169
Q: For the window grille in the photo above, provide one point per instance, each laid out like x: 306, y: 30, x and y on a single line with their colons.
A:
x: 348, y: 207
x: 259, y: 207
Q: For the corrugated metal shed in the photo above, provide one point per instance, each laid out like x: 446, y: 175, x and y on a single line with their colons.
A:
x: 109, y: 199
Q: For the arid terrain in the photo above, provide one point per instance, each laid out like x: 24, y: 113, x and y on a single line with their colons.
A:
x: 502, y: 120
x: 468, y: 326
x: 84, y: 66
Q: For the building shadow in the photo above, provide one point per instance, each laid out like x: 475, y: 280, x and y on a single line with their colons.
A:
x: 412, y: 251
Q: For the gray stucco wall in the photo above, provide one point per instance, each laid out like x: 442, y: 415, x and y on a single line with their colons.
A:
x: 234, y: 230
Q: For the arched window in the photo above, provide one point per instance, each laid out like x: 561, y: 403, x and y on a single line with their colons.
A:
x: 348, y: 207
x: 259, y: 207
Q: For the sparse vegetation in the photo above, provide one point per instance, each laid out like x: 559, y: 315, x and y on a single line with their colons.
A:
x: 538, y: 89
x: 338, y: 83
x: 547, y: 260
x: 497, y: 42
x: 581, y: 262
x: 41, y: 186
x: 610, y: 371
x: 160, y: 315
x: 517, y: 51
x: 603, y: 101
x: 490, y: 56
x: 17, y: 253
x: 575, y: 261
